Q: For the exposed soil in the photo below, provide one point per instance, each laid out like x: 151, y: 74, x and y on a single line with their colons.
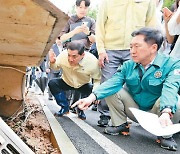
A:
x: 32, y: 127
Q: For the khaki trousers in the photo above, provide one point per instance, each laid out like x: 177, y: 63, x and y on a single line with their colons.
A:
x: 120, y: 103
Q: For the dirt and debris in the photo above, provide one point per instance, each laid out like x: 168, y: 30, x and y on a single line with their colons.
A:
x: 32, y: 126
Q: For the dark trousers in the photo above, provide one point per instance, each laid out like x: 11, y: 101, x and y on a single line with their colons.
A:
x: 56, y: 86
x: 52, y: 75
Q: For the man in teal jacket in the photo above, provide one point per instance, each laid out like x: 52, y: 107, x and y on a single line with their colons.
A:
x: 152, y: 82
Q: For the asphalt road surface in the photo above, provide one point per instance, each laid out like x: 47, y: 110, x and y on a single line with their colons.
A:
x: 88, y: 138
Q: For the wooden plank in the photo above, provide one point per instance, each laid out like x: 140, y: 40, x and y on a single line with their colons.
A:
x: 22, y: 12
x: 14, y: 60
x: 25, y: 33
x: 28, y: 28
x: 22, y: 49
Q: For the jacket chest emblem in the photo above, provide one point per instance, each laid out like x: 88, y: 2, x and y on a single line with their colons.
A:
x: 157, y: 74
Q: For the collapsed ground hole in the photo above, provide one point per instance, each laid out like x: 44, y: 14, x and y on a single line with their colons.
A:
x: 32, y: 127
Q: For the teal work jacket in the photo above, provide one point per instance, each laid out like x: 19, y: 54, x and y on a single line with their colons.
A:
x: 160, y: 80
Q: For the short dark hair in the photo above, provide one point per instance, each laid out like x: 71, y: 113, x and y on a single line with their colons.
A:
x: 177, y: 4
x: 75, y: 45
x: 87, y: 2
x: 152, y: 36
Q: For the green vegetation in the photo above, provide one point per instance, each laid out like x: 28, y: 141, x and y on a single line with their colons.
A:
x: 168, y: 3
x: 92, y: 12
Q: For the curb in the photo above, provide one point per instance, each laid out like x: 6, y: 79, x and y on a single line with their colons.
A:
x: 63, y: 142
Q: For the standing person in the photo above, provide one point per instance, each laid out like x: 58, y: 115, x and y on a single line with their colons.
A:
x: 116, y: 20
x: 174, y: 6
x: 152, y: 81
x: 41, y: 77
x: 159, y: 13
x: 172, y: 36
x: 174, y: 30
x: 30, y: 76
x: 79, y: 26
x: 57, y: 48
x: 78, y: 70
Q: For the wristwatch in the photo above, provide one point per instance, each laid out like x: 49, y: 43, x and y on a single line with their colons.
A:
x: 89, y: 33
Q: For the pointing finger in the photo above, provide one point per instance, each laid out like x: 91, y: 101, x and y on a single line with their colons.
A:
x: 76, y: 103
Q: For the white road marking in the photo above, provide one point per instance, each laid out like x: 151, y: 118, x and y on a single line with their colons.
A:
x: 104, y: 142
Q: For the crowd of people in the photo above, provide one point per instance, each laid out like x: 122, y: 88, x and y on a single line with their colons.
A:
x: 128, y: 57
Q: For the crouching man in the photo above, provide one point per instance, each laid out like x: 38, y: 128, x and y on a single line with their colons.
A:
x: 152, y: 83
x: 78, y: 70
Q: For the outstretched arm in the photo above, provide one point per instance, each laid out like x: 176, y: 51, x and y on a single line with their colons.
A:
x: 84, y: 103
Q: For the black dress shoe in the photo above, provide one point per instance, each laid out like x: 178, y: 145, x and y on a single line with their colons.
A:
x: 81, y: 114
